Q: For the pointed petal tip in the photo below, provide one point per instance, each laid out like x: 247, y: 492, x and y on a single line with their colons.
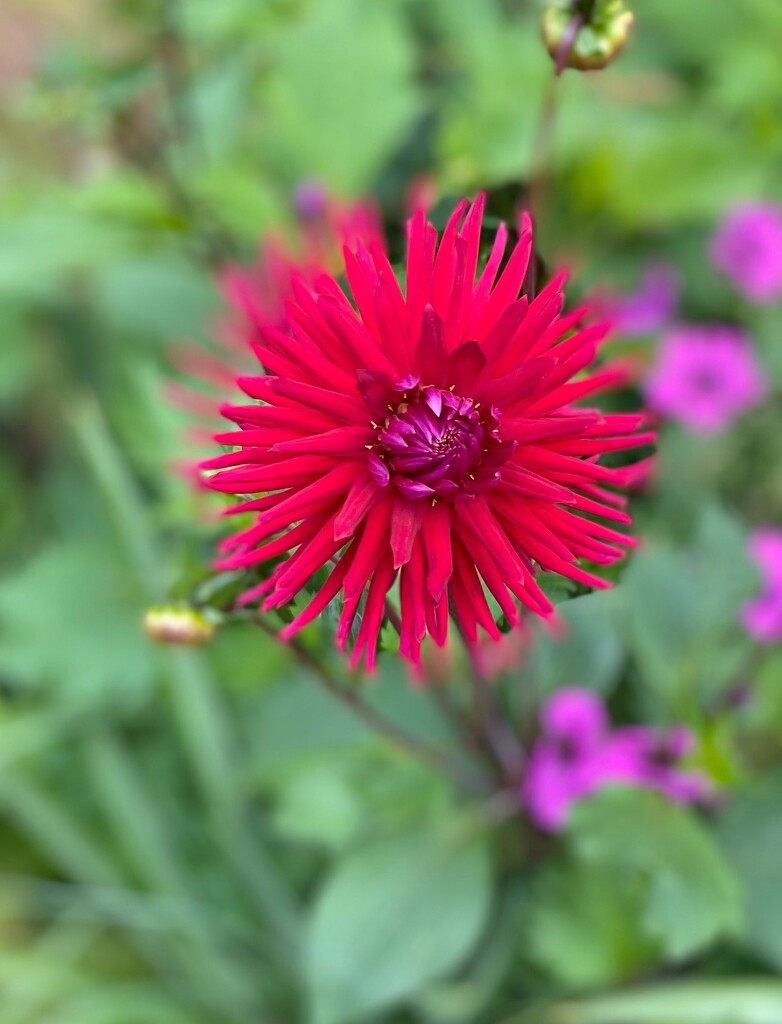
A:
x: 524, y: 222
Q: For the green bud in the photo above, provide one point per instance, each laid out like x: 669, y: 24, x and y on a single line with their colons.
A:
x: 597, y: 31
x: 178, y: 624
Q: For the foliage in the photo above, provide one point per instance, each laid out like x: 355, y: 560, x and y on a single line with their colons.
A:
x: 206, y: 837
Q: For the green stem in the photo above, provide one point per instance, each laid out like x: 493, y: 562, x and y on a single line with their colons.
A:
x: 442, y: 762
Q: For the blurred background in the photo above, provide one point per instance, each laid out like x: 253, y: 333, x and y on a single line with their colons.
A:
x: 173, y: 820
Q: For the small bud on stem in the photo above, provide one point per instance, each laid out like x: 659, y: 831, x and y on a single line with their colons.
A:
x: 585, y: 34
x: 178, y: 624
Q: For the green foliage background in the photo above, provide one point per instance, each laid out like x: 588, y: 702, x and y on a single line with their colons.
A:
x: 205, y: 837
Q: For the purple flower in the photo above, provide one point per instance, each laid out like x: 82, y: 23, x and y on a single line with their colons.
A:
x: 310, y: 199
x: 704, y: 376
x: 747, y: 247
x: 762, y: 616
x: 579, y: 753
x: 651, y: 306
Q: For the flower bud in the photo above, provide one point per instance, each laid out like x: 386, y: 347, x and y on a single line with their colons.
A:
x: 177, y: 624
x: 585, y: 34
x: 310, y: 200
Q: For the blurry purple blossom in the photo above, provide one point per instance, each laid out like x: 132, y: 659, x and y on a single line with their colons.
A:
x: 579, y: 753
x: 762, y: 616
x: 747, y: 247
x: 704, y: 376
x: 310, y: 199
x: 650, y: 307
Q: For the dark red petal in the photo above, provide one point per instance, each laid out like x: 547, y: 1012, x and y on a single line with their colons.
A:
x: 342, y: 442
x: 406, y: 521
x: 370, y: 546
x: 464, y: 366
x: 436, y: 535
x: 374, y: 607
x: 324, y: 596
x: 362, y: 496
x: 430, y: 354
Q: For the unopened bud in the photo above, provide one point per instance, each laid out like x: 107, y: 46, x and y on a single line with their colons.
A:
x: 585, y: 34
x: 310, y: 199
x: 178, y: 624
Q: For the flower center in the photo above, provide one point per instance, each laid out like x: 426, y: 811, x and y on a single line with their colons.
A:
x: 437, y: 444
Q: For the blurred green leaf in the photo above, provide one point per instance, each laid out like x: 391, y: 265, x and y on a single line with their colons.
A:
x: 693, y: 897
x: 300, y: 720
x: 486, y: 134
x: 336, y: 108
x: 583, y: 925
x: 245, y: 202
x: 750, y: 1001
x: 71, y: 617
x: 319, y: 806
x: 19, y: 358
x: 677, y: 153
x: 750, y: 829
x: 391, y: 918
x: 57, y: 831
x: 39, y: 249
x: 586, y: 651
x: 682, y: 611
x: 160, y: 296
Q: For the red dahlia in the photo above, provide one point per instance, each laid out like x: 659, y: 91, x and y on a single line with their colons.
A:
x: 431, y: 435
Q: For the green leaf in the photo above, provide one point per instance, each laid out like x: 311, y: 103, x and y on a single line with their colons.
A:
x: 583, y: 930
x: 157, y: 296
x: 487, y: 126
x: 692, y: 896
x: 80, y: 597
x: 677, y: 152
x: 41, y: 248
x: 750, y: 829
x: 682, y: 612
x: 300, y: 721
x: 393, y: 917
x: 342, y: 95
x: 58, y: 832
x: 754, y: 1001
x: 318, y: 806
x: 588, y: 651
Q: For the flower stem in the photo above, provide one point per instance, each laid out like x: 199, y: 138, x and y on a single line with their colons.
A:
x: 568, y: 38
x: 543, y: 135
x: 442, y: 762
x: 490, y: 730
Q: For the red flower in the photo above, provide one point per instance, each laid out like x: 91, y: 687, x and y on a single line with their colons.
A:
x: 256, y: 298
x: 430, y: 435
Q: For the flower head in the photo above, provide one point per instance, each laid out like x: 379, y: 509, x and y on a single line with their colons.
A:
x: 704, y: 376
x: 578, y: 753
x: 762, y: 616
x: 429, y: 435
x: 747, y: 247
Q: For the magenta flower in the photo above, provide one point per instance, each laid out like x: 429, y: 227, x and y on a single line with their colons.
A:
x: 651, y: 307
x: 762, y: 616
x: 256, y: 297
x: 430, y: 434
x: 310, y: 199
x: 747, y: 247
x: 578, y: 753
x: 704, y: 376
